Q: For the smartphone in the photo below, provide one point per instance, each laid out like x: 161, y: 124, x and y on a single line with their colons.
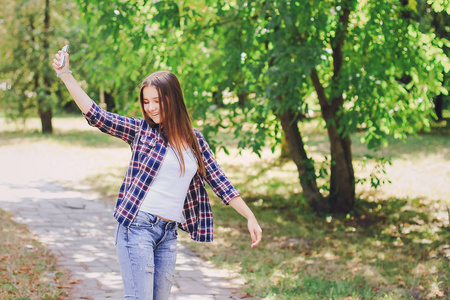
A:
x: 63, y: 58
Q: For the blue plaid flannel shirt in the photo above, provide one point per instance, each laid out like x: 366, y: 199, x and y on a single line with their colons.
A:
x: 148, y: 150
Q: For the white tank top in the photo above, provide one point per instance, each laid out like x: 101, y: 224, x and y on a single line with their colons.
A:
x: 168, y: 190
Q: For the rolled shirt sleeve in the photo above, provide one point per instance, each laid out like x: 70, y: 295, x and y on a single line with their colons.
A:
x: 215, y: 176
x: 113, y: 124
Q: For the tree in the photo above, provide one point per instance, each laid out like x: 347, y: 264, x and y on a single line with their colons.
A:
x: 433, y: 17
x: 32, y: 31
x: 351, y: 56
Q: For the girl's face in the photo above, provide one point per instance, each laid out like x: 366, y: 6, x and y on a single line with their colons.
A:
x: 151, y: 103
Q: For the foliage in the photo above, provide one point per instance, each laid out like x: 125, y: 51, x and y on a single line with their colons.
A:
x: 269, y: 42
x: 366, y: 64
x: 27, y: 80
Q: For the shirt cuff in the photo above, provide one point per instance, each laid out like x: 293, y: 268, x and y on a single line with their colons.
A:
x: 93, y: 114
x: 91, y: 111
x: 229, y: 195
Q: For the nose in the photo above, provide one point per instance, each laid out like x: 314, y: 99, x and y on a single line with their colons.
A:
x: 153, y: 106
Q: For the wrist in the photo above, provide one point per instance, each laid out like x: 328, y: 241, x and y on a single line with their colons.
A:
x: 63, y: 73
x: 251, y: 217
x: 248, y: 214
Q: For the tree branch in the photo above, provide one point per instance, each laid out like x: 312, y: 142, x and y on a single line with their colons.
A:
x: 320, y: 92
x: 338, y: 42
x: 336, y: 45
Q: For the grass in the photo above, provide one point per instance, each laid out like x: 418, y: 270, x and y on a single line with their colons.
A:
x: 394, y: 245
x: 387, y: 249
x: 27, y: 269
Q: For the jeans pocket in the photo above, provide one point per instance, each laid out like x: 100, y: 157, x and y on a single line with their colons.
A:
x: 144, y: 220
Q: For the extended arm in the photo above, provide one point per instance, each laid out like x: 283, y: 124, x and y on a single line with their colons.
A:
x: 83, y: 101
x: 114, y: 124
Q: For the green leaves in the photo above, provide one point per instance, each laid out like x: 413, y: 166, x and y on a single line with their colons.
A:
x: 168, y: 14
x: 243, y: 62
x: 27, y: 47
x: 440, y: 5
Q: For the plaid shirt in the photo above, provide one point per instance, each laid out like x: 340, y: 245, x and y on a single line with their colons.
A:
x: 148, y: 150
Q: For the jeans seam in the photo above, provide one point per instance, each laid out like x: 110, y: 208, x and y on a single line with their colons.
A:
x: 116, y: 234
x: 129, y: 259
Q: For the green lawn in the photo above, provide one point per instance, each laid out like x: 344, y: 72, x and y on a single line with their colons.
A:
x: 394, y: 245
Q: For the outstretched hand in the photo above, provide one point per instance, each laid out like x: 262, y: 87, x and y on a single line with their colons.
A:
x: 57, y: 61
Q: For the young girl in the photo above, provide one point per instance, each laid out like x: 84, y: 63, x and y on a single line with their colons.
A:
x: 164, y: 187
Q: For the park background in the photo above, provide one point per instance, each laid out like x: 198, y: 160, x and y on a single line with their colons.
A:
x: 330, y: 117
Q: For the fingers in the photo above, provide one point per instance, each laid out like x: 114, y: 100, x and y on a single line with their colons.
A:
x: 58, y: 56
x: 253, y: 236
x: 56, y: 60
x: 255, y: 233
x: 56, y: 63
x: 256, y: 238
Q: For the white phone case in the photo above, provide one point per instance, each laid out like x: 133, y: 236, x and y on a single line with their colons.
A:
x: 63, y: 58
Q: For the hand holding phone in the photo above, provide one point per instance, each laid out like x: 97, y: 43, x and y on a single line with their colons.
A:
x: 63, y: 58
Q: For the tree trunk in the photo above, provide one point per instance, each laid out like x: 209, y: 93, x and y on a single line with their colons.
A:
x: 342, y: 180
x: 46, y: 120
x: 285, y: 153
x: 438, y: 106
x: 217, y: 98
x: 305, y: 165
x: 242, y: 97
x: 44, y: 107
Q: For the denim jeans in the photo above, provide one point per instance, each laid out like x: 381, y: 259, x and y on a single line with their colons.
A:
x: 147, y: 256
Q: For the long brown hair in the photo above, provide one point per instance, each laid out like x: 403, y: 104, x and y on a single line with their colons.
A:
x: 175, y: 120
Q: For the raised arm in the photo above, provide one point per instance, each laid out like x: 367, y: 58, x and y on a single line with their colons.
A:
x: 116, y: 125
x: 83, y: 101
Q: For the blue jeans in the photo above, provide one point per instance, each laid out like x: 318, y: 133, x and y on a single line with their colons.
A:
x: 147, y: 253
